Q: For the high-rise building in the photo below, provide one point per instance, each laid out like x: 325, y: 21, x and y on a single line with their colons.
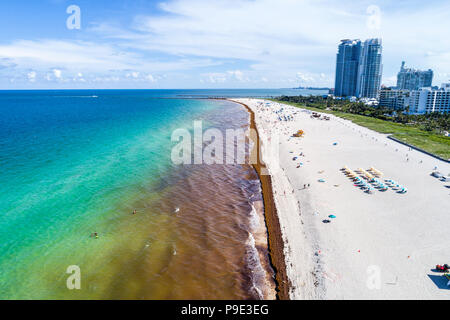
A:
x: 412, y: 79
x: 358, y: 68
x: 370, y: 69
x: 347, y: 63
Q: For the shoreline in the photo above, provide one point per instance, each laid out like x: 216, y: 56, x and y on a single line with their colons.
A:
x: 341, y: 241
x: 275, y: 238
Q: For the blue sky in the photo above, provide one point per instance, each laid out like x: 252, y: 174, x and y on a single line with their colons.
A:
x: 211, y: 43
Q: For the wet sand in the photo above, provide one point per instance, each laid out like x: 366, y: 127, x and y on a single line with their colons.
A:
x: 276, y: 244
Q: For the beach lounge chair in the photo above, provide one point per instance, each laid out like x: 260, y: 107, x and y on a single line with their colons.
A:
x: 403, y: 190
x: 375, y: 171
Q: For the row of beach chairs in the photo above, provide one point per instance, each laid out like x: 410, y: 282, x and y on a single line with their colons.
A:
x: 372, y: 180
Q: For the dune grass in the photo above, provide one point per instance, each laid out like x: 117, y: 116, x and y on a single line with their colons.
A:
x: 431, y: 142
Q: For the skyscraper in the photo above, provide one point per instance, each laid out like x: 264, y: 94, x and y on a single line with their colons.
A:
x: 347, y: 62
x: 370, y: 69
x: 358, y: 68
x: 412, y: 79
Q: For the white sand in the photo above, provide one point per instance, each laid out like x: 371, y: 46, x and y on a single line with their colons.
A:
x: 403, y: 236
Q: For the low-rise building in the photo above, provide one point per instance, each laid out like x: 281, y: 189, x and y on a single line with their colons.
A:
x: 427, y: 100
x: 394, y: 99
x: 369, y: 101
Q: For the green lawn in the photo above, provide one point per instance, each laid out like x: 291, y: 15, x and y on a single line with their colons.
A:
x: 431, y: 142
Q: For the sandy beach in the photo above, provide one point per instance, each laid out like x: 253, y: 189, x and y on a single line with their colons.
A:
x: 383, y: 245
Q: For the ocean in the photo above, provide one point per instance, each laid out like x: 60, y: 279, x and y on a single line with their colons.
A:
x: 78, y: 162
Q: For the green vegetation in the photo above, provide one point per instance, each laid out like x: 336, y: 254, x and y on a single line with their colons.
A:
x: 422, y: 131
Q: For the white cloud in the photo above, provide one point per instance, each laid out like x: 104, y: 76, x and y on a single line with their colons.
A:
x: 214, y: 78
x: 304, y: 77
x: 280, y: 36
x: 286, y: 41
x: 238, y: 75
x: 31, y: 76
x: 150, y: 78
x: 76, y: 56
x: 224, y: 77
x: 57, y: 73
x: 133, y: 74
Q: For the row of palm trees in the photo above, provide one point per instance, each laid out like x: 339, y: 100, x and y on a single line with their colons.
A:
x: 431, y: 122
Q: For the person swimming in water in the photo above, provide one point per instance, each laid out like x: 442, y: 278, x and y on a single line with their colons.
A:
x: 94, y: 235
x: 134, y: 212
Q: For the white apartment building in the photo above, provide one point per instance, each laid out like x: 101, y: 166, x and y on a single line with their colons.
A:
x: 427, y: 100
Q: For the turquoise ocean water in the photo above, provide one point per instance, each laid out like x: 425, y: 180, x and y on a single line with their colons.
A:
x: 80, y: 161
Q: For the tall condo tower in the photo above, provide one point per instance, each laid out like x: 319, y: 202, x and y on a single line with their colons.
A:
x: 347, y: 63
x: 358, y: 68
x: 412, y: 79
x: 370, y: 69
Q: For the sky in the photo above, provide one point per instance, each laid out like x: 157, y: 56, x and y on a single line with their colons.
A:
x: 154, y: 44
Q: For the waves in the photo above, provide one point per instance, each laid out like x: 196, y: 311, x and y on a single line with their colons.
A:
x: 198, y: 231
